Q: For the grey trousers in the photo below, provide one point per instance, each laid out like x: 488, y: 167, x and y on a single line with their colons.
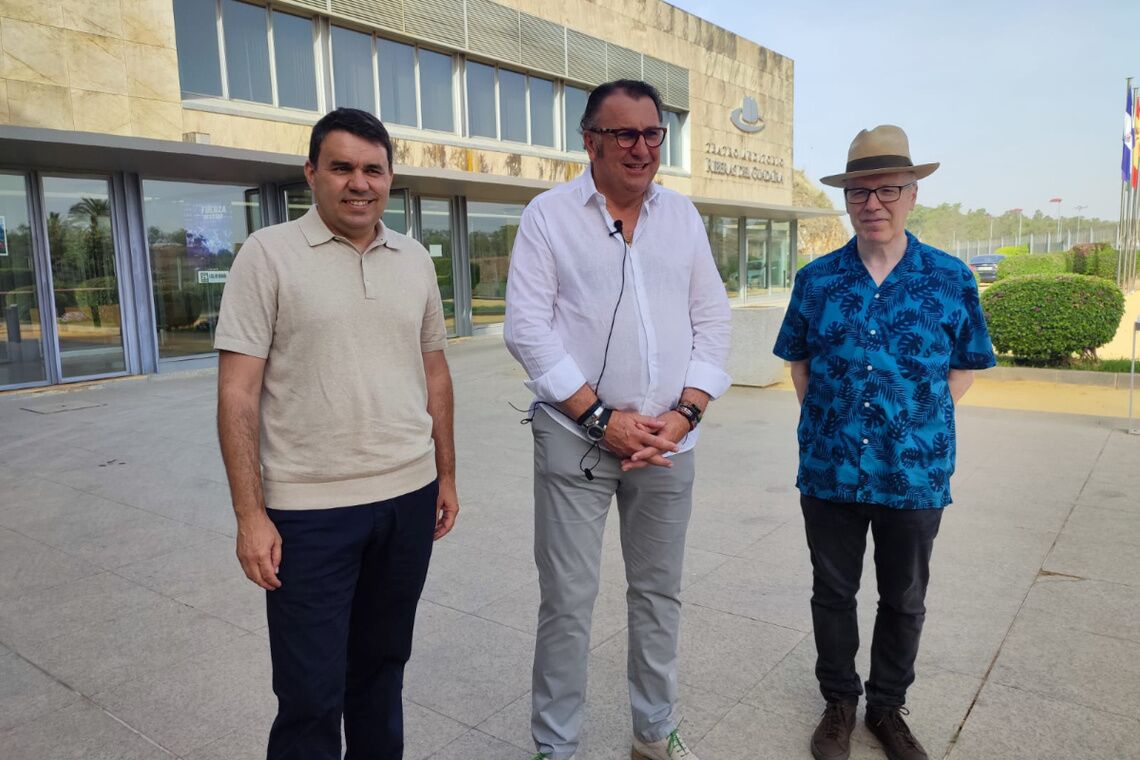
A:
x: 654, y: 504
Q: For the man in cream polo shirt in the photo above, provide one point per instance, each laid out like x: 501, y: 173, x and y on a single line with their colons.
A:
x: 335, y: 422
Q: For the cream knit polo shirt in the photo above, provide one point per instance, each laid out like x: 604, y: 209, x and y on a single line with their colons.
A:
x: 344, y: 417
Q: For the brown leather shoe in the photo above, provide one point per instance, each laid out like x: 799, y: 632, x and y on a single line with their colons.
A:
x: 832, y: 737
x: 888, y: 726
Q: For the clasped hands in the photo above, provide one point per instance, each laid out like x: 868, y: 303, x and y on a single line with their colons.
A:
x: 641, y: 441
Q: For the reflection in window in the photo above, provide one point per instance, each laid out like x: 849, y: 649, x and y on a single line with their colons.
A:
x: 21, y: 359
x: 512, y: 105
x: 193, y: 231
x: 542, y: 112
x: 492, y: 228
x: 724, y: 238
x: 196, y: 34
x: 247, y: 51
x: 435, y: 235
x: 352, y: 70
x: 293, y: 55
x: 436, y: 101
x: 397, y: 82
x: 756, y: 282
x: 574, y: 107
x: 673, y: 154
x: 480, y: 100
x: 780, y: 258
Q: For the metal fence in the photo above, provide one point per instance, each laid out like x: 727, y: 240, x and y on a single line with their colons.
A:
x: 1050, y: 242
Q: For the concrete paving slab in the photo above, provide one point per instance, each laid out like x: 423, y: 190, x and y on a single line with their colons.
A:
x: 26, y: 692
x: 1011, y: 724
x: 149, y: 639
x: 1044, y: 656
x: 1108, y: 609
x: 465, y: 667
x: 467, y: 578
x: 194, y: 702
x: 80, y: 731
x: 28, y: 566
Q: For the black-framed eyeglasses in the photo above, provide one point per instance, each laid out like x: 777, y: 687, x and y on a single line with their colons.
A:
x: 885, y: 194
x: 627, y: 138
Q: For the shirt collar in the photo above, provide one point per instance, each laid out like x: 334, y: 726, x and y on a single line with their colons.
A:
x: 588, y: 191
x: 849, y: 260
x: 316, y: 232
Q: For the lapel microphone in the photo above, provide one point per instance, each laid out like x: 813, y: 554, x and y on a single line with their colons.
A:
x: 617, y: 228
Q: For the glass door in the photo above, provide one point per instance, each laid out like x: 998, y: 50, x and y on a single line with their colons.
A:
x: 435, y: 235
x: 85, y: 286
x: 21, y: 350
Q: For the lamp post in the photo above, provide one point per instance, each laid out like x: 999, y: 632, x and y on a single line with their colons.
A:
x: 1079, y: 210
x: 1058, y: 202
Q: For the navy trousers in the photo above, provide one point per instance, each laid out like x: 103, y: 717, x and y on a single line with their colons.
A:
x: 837, y: 539
x: 340, y: 626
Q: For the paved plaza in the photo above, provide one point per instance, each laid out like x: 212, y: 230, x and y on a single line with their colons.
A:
x: 128, y: 631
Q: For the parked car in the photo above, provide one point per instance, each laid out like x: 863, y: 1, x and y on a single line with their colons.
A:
x: 985, y: 266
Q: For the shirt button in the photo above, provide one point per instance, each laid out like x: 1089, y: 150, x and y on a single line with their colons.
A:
x: 866, y: 403
x: 865, y: 441
x: 869, y: 368
x: 872, y: 332
x: 876, y: 295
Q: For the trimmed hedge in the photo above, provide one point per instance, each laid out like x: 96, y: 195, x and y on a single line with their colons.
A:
x: 1013, y: 250
x: 1050, y: 317
x: 1038, y: 263
x: 1096, y: 259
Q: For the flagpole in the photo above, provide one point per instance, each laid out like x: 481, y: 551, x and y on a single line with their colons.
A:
x: 1134, y: 217
x: 1123, y: 225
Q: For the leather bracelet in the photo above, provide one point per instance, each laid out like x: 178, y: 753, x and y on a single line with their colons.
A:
x: 691, y: 412
x: 594, y: 410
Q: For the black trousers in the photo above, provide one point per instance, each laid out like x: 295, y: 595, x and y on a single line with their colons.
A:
x: 340, y: 626
x: 837, y: 539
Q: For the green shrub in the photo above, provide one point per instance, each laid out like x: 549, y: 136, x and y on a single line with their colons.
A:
x: 1038, y: 263
x: 1013, y: 250
x: 1096, y: 259
x: 1050, y: 317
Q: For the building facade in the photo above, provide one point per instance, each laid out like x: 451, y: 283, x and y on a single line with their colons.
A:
x: 143, y: 140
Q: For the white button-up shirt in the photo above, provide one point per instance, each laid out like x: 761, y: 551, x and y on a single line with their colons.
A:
x: 672, y: 324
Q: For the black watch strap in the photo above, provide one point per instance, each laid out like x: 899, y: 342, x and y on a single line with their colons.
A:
x: 690, y: 412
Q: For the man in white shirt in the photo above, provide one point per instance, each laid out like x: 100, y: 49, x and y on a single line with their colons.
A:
x: 617, y: 313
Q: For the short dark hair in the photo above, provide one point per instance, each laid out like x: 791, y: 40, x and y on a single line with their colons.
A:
x: 355, y: 122
x: 634, y: 88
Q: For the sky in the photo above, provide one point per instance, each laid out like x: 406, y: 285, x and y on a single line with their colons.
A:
x: 1020, y: 101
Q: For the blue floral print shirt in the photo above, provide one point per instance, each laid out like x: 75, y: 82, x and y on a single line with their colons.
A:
x: 877, y: 421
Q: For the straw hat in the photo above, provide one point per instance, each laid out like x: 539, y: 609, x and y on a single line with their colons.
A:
x: 882, y: 150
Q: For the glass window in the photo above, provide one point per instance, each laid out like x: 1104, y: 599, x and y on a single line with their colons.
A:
x: 724, y: 238
x: 247, y: 51
x: 780, y: 268
x: 435, y: 233
x: 756, y: 257
x: 541, y: 112
x: 84, y: 282
x: 293, y: 56
x: 574, y: 105
x: 193, y: 231
x: 674, y: 151
x: 480, y: 100
x: 397, y: 82
x: 196, y: 34
x: 21, y: 357
x: 492, y: 228
x: 352, y: 70
x: 436, y: 93
x: 512, y: 105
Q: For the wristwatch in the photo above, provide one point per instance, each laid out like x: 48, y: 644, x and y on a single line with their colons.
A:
x: 595, y: 420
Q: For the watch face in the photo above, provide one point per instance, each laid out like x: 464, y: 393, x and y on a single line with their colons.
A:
x: 595, y: 432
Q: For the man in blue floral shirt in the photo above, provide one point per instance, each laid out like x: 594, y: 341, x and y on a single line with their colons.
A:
x: 883, y: 336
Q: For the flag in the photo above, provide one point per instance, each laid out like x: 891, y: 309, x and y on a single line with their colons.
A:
x: 1126, y: 159
x: 1136, y: 130
x: 1054, y: 200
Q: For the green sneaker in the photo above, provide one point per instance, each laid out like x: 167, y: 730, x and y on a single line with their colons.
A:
x: 672, y: 747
